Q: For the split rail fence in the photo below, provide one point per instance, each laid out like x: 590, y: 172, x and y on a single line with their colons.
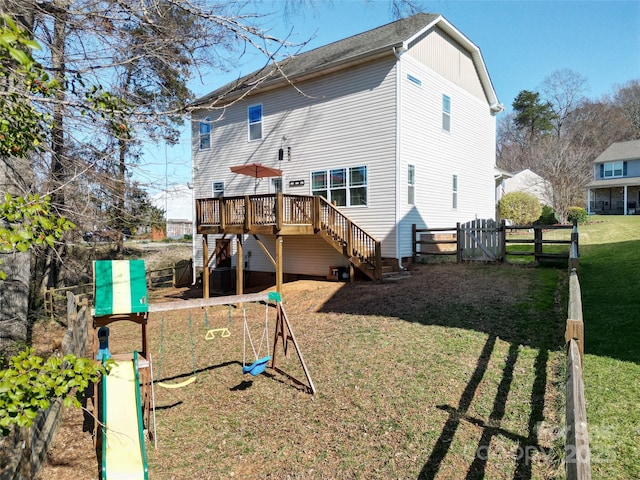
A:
x: 487, y: 240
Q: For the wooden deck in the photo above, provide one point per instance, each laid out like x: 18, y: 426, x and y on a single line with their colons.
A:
x: 287, y: 215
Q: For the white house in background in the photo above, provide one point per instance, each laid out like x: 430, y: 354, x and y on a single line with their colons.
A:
x: 393, y: 127
x: 530, y: 182
x: 177, y: 203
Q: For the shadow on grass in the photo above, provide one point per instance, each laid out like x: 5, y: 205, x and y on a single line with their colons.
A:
x: 534, y: 321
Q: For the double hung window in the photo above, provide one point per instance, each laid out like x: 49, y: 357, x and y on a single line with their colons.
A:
x: 345, y: 187
x: 255, y: 122
x: 446, y: 113
x: 205, y: 134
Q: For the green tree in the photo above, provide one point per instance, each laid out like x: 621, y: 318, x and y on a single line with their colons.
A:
x: 532, y: 115
x: 520, y: 207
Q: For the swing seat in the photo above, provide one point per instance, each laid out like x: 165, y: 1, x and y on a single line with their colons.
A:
x: 211, y: 334
x: 188, y: 381
x: 257, y: 367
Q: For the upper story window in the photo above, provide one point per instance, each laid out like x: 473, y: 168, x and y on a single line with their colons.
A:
x: 446, y: 113
x: 205, y: 134
x: 454, y: 193
x: 345, y: 187
x: 255, y: 122
x: 218, y: 189
x: 613, y: 169
x: 411, y: 185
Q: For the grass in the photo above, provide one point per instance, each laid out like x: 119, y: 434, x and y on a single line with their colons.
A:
x: 609, y: 279
x: 455, y: 372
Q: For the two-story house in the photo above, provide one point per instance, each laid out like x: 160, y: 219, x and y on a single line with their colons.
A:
x: 365, y: 136
x: 615, y: 189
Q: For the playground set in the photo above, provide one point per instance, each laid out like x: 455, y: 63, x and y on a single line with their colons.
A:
x: 124, y: 400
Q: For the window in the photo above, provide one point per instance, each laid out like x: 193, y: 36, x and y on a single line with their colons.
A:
x: 218, y: 189
x: 411, y: 185
x: 276, y: 185
x: 255, y: 122
x: 454, y: 202
x: 346, y: 187
x: 613, y: 169
x: 205, y: 134
x: 446, y: 113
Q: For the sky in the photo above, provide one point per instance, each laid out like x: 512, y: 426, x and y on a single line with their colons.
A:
x: 522, y: 42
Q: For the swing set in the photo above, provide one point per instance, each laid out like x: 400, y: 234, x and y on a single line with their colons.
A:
x: 123, y: 409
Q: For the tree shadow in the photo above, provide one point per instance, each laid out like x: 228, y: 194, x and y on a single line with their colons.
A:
x: 511, y: 323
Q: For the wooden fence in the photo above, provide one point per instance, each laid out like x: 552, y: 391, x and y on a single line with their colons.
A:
x: 577, y: 452
x: 486, y: 240
x: 23, y: 450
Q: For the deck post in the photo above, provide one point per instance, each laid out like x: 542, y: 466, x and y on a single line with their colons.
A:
x: 239, y: 266
x: 279, y: 273
x: 279, y: 212
x: 205, y: 267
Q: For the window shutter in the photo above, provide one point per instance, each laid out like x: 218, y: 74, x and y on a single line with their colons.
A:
x: 602, y: 170
x: 624, y: 169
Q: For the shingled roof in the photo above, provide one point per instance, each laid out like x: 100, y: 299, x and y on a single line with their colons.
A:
x: 371, y: 44
x: 620, y: 151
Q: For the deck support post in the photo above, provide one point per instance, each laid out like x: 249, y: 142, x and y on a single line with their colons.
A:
x: 205, y: 267
x: 279, y: 268
x: 239, y: 266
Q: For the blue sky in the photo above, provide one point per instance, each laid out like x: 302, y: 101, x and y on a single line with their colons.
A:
x: 522, y: 42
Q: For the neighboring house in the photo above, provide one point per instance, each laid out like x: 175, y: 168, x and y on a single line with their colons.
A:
x: 177, y: 203
x: 615, y: 189
x: 530, y: 182
x: 392, y: 127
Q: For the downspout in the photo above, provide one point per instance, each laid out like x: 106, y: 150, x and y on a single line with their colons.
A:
x: 398, y: 52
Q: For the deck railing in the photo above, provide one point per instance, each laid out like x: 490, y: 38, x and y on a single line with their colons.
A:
x: 281, y: 210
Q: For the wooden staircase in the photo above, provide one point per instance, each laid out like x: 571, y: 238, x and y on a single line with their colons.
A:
x: 280, y: 214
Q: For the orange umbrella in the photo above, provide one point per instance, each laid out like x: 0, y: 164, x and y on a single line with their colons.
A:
x: 257, y: 170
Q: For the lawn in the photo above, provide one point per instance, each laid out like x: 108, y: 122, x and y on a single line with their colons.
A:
x: 455, y: 372
x: 610, y: 281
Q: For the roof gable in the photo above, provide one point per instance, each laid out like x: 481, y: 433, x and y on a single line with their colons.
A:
x: 620, y: 151
x: 382, y: 41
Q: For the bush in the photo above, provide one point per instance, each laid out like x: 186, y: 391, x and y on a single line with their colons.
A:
x: 577, y: 214
x: 548, y: 216
x: 520, y: 207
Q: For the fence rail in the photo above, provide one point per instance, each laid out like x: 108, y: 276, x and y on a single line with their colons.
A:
x: 487, y: 241
x: 577, y: 452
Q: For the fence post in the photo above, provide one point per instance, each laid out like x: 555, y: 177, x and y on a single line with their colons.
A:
x: 459, y: 243
x: 415, y: 244
x: 537, y: 239
x: 503, y: 241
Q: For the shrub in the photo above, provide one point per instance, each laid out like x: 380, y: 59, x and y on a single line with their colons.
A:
x: 577, y: 214
x: 548, y: 216
x: 520, y: 207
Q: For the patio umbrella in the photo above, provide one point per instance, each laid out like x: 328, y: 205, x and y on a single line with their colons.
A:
x: 257, y: 170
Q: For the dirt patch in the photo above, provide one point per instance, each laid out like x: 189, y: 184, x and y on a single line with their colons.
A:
x: 413, y: 377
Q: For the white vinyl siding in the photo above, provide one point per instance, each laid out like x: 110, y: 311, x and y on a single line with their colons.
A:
x: 468, y: 152
x: 439, y: 52
x: 323, y: 129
